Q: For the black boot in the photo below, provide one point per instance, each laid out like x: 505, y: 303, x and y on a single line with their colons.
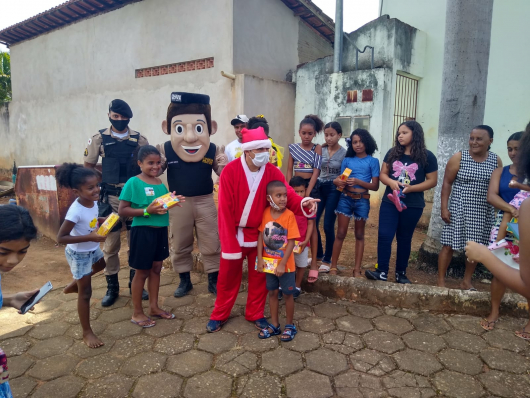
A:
x: 212, y: 282
x: 185, y: 285
x: 113, y: 290
x: 145, y: 295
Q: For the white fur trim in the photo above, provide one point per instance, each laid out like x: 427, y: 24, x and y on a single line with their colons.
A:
x: 303, y: 209
x: 258, y: 144
x: 251, y: 196
x: 231, y: 256
x: 249, y: 244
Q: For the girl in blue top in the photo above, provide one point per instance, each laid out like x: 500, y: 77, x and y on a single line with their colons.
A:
x: 355, y: 199
x: 149, y: 238
x: 16, y: 233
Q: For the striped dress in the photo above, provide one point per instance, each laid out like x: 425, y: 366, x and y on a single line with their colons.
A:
x: 471, y: 215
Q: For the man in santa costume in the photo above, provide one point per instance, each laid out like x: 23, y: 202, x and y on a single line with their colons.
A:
x: 242, y: 201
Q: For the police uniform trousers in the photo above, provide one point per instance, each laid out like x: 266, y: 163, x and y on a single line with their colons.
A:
x: 111, y: 248
x: 199, y: 214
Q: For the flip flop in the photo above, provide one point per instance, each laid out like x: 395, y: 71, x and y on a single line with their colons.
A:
x: 148, y: 323
x: 163, y: 315
x: 490, y: 325
x: 523, y: 334
x: 471, y: 289
x: 324, y: 268
x: 313, y: 276
x: 333, y: 271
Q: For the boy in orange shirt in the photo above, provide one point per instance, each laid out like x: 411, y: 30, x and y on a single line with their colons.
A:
x: 278, y: 231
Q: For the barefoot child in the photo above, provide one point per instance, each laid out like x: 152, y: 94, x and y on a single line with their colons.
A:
x: 278, y: 231
x: 149, y: 238
x: 78, y: 232
x: 516, y: 202
x: 305, y: 227
x: 354, y: 201
x: 16, y: 233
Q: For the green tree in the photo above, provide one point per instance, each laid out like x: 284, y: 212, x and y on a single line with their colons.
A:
x: 5, y: 77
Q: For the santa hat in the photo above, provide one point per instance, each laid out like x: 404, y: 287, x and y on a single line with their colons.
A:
x: 254, y: 139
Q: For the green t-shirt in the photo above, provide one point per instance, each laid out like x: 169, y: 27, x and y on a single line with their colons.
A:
x: 141, y: 195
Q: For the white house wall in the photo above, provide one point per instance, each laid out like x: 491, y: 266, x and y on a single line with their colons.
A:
x: 507, y: 100
x: 63, y: 81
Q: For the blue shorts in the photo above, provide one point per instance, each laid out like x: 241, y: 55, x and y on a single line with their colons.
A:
x: 81, y: 262
x: 287, y: 282
x: 357, y: 209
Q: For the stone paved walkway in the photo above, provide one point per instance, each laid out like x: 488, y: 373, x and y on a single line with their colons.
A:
x: 343, y: 349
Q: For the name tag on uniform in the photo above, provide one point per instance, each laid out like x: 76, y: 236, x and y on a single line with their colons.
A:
x: 133, y: 139
x: 207, y: 161
x: 149, y: 191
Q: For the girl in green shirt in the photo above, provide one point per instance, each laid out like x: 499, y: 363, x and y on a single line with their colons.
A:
x: 149, y: 239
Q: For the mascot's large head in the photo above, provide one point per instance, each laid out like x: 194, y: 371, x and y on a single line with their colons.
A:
x: 189, y: 123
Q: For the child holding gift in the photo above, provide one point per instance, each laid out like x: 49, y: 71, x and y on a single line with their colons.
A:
x: 79, y: 233
x: 278, y: 231
x: 149, y: 237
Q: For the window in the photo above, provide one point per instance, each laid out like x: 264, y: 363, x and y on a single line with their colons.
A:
x: 345, y: 123
x: 361, y: 122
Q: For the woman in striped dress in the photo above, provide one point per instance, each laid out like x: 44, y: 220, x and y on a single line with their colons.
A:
x: 468, y: 216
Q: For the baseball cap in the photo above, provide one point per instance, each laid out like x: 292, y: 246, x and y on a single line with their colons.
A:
x: 239, y: 119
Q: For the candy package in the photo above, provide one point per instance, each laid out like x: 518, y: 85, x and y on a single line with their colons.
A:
x: 168, y: 200
x: 344, y: 176
x: 269, y: 265
x: 108, y: 224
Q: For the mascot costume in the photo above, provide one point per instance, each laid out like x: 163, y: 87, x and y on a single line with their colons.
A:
x: 190, y: 158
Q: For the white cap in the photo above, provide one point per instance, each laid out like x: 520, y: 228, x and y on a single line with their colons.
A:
x: 239, y: 119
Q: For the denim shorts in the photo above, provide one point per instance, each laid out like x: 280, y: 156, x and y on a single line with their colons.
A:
x: 357, y: 209
x: 81, y: 262
x: 287, y: 282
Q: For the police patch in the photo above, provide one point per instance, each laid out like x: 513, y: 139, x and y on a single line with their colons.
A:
x: 86, y: 152
x: 89, y: 141
x: 133, y: 139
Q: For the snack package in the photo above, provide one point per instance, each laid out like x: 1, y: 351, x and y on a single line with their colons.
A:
x: 297, y: 249
x: 344, y: 176
x: 168, y: 200
x: 109, y: 223
x: 269, y: 265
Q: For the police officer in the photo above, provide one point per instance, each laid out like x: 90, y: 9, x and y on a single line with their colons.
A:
x: 116, y: 146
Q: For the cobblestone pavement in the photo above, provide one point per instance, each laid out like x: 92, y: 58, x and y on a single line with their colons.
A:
x: 343, y: 349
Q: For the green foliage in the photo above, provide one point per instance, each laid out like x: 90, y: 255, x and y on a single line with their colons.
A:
x: 5, y: 77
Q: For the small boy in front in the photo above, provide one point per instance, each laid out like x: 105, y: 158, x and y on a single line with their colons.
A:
x: 278, y: 231
x: 305, y: 227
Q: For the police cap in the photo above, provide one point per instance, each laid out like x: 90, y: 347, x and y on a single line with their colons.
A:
x: 120, y: 107
x: 189, y: 98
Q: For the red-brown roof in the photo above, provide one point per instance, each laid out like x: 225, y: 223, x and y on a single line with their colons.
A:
x: 314, y: 17
x: 76, y: 10
x: 57, y: 17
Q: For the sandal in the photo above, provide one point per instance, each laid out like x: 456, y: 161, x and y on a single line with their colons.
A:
x: 163, y: 315
x: 288, y: 333
x: 333, y: 271
x: 148, y: 323
x: 324, y: 268
x: 214, y: 326
x: 313, y: 276
x: 269, y: 331
x: 523, y: 334
x: 261, y: 323
x: 488, y: 325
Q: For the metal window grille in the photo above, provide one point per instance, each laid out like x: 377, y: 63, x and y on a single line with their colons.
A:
x: 406, y: 100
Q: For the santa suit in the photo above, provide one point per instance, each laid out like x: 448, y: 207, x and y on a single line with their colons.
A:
x: 242, y: 201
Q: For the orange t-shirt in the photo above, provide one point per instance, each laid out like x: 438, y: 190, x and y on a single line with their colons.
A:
x: 276, y: 233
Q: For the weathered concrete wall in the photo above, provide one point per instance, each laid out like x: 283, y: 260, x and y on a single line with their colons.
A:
x: 7, y: 143
x: 311, y: 45
x: 506, y: 104
x: 276, y: 101
x: 63, y: 81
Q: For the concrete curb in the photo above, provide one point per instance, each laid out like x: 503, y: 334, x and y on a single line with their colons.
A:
x: 418, y: 297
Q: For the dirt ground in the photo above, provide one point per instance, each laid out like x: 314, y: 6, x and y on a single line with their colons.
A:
x: 45, y: 261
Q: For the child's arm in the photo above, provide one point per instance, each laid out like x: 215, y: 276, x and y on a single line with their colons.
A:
x: 494, y: 198
x: 290, y: 166
x: 64, y: 237
x: 384, y: 176
x: 314, y: 176
x: 506, y: 217
x: 125, y: 209
x: 260, y: 252
x: 310, y: 227
x: 280, y: 269
x: 17, y: 300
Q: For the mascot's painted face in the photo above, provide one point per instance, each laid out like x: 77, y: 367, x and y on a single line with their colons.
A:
x: 190, y: 137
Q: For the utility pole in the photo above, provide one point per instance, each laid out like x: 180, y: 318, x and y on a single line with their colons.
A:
x: 337, y: 53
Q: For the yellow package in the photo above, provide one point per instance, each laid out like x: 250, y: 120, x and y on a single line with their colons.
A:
x: 269, y: 265
x: 344, y: 176
x: 168, y: 200
x: 297, y: 249
x: 109, y: 223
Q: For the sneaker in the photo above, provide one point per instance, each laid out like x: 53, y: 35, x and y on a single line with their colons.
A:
x: 376, y: 275
x: 280, y: 294
x: 297, y: 294
x: 402, y: 278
